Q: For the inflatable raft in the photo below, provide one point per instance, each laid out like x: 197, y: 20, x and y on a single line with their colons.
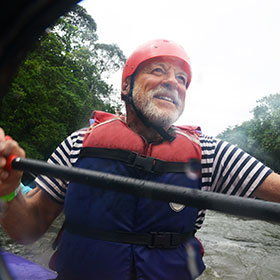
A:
x: 20, y: 268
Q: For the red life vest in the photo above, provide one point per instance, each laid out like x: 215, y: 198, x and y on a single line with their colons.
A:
x: 111, y: 132
x: 110, y: 146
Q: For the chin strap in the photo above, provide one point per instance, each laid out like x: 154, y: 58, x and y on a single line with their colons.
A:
x: 162, y: 132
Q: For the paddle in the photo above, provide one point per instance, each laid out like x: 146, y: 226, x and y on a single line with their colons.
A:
x: 245, y: 207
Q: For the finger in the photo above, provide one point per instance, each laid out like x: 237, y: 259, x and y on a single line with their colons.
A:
x: 3, y: 162
x: 7, y: 147
x: 9, y: 160
x: 3, y: 174
x: 2, y: 134
x: 10, y: 143
x: 3, y: 143
x: 2, y: 138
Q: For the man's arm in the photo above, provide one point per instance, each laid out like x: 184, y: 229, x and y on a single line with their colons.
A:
x: 28, y: 217
x: 25, y: 218
x: 270, y: 188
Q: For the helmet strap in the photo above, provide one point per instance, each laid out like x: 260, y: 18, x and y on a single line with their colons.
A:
x: 129, y: 99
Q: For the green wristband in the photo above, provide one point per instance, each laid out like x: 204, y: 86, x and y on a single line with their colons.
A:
x: 11, y: 196
x: 8, y: 197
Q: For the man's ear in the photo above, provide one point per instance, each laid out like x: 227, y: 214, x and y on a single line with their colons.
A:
x: 126, y: 86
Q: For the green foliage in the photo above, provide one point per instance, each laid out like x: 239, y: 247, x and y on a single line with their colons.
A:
x: 261, y: 135
x: 59, y: 84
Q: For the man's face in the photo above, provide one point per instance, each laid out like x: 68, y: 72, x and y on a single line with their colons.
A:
x: 159, y: 90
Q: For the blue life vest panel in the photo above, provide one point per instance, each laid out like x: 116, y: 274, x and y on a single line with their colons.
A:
x: 81, y: 257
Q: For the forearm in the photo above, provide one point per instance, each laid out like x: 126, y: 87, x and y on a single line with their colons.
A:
x: 270, y: 188
x: 26, y: 220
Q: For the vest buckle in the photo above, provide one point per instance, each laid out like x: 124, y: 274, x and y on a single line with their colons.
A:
x: 165, y: 240
x: 145, y: 163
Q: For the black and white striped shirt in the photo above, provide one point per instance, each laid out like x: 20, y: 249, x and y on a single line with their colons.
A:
x: 225, y: 169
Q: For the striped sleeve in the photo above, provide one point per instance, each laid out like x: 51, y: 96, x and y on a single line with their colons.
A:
x: 66, y: 154
x: 234, y: 172
x: 229, y: 170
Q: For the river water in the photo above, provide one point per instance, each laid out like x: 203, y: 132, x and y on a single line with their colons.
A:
x: 235, y: 248
x: 238, y: 248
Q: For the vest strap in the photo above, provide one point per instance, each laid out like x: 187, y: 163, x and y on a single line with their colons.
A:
x: 146, y: 163
x: 160, y: 240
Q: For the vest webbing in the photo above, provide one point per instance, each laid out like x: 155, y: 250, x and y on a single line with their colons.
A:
x: 162, y: 240
x: 146, y: 163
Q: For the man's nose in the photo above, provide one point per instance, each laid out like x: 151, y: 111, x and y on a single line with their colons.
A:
x: 170, y: 80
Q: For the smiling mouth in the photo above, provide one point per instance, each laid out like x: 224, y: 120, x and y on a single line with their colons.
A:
x: 166, y: 98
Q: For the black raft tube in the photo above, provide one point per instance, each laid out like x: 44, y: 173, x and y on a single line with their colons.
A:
x: 245, y: 207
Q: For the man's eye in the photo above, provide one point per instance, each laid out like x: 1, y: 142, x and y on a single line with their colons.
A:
x: 182, y: 79
x: 157, y: 70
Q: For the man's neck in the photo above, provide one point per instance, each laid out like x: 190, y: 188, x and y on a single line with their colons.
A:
x: 135, y: 124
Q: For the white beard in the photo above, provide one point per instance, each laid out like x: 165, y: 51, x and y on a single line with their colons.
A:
x: 154, y: 114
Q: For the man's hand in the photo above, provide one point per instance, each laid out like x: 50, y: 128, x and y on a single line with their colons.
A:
x: 9, y: 179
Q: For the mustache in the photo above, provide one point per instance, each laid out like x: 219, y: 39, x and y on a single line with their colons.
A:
x: 172, y: 93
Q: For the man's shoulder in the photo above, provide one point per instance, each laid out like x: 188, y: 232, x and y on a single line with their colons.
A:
x: 208, y: 142
x: 75, y: 138
x: 79, y: 133
x: 208, y: 138
x: 189, y: 127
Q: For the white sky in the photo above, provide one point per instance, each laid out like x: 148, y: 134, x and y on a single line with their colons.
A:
x: 234, y: 47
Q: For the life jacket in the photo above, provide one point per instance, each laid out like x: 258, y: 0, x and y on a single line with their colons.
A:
x: 92, y: 214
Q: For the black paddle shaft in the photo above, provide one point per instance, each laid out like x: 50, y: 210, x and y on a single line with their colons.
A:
x: 245, y: 207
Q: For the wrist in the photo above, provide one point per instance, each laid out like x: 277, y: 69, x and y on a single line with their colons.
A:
x: 9, y: 197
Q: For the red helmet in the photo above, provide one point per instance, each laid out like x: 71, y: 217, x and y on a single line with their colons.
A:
x: 156, y: 48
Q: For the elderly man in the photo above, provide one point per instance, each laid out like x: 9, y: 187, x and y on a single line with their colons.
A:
x: 110, y: 235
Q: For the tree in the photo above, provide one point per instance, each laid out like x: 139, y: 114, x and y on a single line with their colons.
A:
x: 59, y: 84
x: 260, y: 136
x: 265, y: 129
